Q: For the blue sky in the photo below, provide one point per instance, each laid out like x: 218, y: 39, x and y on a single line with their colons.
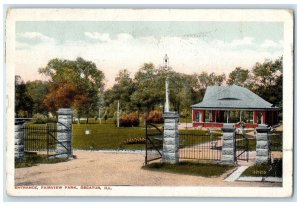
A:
x: 191, y: 46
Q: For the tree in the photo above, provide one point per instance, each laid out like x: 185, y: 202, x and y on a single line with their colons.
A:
x: 149, y: 84
x: 23, y: 102
x: 37, y: 90
x: 268, y: 80
x: 122, y: 91
x: 239, y: 77
x: 77, y: 84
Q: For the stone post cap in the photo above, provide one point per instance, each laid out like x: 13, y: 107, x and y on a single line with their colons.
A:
x: 228, y: 127
x: 66, y: 111
x: 262, y: 128
x: 170, y: 115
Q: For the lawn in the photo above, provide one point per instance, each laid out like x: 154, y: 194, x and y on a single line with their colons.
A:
x: 276, y: 140
x: 33, y: 159
x: 190, y: 168
x: 106, y: 136
x: 259, y: 170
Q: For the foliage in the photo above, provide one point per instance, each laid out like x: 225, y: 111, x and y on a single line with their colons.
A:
x: 155, y: 117
x: 77, y: 84
x: 239, y: 77
x: 191, y: 168
x: 129, y: 120
x: 37, y: 90
x: 23, y: 102
x: 39, y: 119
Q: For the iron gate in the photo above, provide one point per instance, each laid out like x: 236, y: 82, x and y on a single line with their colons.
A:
x: 42, y: 138
x: 154, y: 143
x: 242, y: 147
x: 200, y: 146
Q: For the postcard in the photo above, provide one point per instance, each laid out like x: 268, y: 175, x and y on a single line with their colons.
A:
x: 149, y: 102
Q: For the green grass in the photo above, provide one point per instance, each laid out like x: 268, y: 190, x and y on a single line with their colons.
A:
x: 106, y: 136
x: 190, y: 168
x: 32, y: 159
x: 276, y: 142
x: 259, y: 170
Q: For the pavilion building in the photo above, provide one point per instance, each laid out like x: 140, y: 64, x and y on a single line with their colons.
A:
x: 233, y: 104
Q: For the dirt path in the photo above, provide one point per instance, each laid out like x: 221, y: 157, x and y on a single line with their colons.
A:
x: 112, y: 168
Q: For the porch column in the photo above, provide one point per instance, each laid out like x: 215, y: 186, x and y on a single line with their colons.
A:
x: 241, y: 115
x: 228, y: 149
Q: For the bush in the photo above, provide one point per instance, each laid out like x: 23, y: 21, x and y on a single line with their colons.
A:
x: 138, y: 140
x: 40, y: 119
x: 155, y: 117
x: 129, y: 120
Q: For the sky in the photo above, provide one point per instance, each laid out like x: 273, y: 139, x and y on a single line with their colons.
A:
x: 192, y: 47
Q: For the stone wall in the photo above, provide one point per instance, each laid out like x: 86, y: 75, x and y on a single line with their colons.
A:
x: 19, y: 142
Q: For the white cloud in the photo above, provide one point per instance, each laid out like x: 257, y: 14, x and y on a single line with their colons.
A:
x: 271, y: 44
x: 186, y: 55
x: 35, y: 36
x: 98, y: 36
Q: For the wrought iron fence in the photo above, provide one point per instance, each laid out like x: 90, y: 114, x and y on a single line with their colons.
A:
x: 201, y: 146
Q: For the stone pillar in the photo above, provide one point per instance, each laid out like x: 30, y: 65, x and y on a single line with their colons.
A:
x: 171, y: 138
x: 64, y: 133
x: 228, y: 148
x: 19, y: 142
x: 263, y: 152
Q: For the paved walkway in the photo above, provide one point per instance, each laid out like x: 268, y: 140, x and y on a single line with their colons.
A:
x: 114, y: 168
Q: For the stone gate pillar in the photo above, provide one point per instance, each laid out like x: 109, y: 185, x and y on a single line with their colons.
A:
x: 171, y: 138
x: 64, y: 133
x: 19, y: 142
x: 263, y: 152
x: 228, y: 148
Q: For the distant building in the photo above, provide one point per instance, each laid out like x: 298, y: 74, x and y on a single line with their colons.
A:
x: 233, y: 104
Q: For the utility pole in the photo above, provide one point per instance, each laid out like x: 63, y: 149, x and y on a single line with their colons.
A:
x: 118, y: 114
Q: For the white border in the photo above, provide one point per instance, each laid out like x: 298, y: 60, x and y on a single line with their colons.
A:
x: 265, y: 15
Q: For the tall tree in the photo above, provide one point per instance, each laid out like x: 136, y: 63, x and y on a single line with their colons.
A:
x: 77, y: 84
x: 268, y: 80
x: 239, y: 76
x: 37, y: 90
x: 23, y: 102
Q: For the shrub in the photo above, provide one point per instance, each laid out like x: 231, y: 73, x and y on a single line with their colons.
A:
x: 129, y: 120
x: 41, y: 119
x: 155, y: 117
x: 138, y: 140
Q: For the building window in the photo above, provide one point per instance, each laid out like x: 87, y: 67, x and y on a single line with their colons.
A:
x: 198, y: 115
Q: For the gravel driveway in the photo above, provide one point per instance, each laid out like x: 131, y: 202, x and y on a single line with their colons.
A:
x: 113, y: 168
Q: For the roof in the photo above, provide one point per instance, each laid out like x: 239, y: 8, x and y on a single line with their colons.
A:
x: 232, y: 97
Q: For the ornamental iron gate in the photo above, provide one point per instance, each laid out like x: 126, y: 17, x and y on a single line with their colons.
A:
x: 200, y: 146
x: 42, y: 138
x: 154, y: 143
x: 241, y: 147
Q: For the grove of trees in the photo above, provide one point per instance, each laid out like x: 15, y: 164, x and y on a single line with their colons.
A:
x: 79, y: 84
